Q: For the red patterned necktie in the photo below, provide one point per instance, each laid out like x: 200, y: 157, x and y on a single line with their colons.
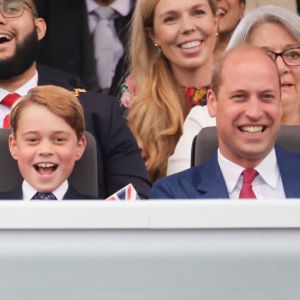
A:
x: 246, y: 190
x: 8, y: 101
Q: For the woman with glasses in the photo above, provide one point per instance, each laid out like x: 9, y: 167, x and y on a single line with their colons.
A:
x: 277, y: 31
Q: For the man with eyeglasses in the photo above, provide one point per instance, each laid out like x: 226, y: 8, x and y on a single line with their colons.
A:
x: 119, y: 158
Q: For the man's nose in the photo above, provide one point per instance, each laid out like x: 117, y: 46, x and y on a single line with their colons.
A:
x: 3, y: 20
x: 254, y: 108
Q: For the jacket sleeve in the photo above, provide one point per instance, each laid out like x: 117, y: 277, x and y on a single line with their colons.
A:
x: 119, y: 158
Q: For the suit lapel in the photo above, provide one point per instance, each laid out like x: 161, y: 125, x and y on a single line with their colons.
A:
x: 212, y: 184
x: 289, y: 166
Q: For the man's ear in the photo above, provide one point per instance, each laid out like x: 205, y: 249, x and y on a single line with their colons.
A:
x: 13, y: 148
x: 81, y: 145
x: 41, y: 27
x: 212, y: 103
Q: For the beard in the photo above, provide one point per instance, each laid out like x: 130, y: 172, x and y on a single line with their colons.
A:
x: 25, y: 55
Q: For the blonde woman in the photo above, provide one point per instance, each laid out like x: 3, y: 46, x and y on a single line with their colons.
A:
x: 171, y: 55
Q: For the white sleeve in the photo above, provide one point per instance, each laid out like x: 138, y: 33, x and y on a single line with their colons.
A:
x: 197, y: 119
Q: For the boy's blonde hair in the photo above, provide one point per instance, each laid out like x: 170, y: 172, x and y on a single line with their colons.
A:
x: 58, y: 100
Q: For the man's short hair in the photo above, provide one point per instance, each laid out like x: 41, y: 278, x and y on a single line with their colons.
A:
x: 217, y: 76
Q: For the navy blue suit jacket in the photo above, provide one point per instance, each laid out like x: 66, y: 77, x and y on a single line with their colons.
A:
x: 207, y: 182
x: 17, y: 194
x: 119, y: 158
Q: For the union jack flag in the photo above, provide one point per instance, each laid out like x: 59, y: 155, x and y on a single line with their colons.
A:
x: 127, y: 193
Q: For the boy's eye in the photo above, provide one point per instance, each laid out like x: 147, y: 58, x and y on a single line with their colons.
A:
x: 59, y: 139
x: 32, y: 140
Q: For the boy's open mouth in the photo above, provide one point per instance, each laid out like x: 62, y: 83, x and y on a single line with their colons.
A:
x: 45, y: 168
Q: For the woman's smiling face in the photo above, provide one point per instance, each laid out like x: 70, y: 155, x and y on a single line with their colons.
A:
x: 185, y: 31
x: 274, y: 37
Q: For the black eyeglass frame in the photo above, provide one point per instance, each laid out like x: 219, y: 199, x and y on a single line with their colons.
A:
x: 281, y: 54
x: 24, y: 4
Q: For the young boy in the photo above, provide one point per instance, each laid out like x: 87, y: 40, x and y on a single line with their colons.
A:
x: 47, y: 139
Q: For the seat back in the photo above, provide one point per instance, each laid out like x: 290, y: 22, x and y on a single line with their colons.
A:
x: 83, y: 178
x: 206, y: 142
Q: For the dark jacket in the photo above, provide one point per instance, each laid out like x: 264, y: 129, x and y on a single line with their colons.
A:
x: 17, y: 194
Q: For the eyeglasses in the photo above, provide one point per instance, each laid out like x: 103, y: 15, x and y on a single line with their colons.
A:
x: 14, y: 8
x: 291, y: 57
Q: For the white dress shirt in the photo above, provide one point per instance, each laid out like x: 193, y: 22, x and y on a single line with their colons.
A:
x: 29, y: 191
x: 266, y: 185
x: 22, y: 91
x: 122, y: 8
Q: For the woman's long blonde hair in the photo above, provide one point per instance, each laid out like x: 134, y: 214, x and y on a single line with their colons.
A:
x: 157, y: 114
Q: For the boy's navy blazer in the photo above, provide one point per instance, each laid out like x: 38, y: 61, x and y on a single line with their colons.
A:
x: 207, y: 182
x: 119, y: 158
x: 17, y: 194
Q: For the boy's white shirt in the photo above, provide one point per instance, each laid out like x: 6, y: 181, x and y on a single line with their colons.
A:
x: 29, y: 191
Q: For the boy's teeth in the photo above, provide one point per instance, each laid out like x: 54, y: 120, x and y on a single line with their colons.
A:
x: 190, y: 45
x: 252, y: 129
x: 46, y: 165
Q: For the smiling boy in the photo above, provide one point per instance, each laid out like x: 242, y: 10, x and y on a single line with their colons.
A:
x: 47, y: 139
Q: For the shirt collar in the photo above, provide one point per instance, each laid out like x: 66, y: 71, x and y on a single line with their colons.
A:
x: 29, y: 191
x: 24, y: 89
x: 123, y: 7
x: 231, y: 171
x: 268, y: 170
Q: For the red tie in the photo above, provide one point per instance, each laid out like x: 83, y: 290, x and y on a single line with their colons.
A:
x: 8, y: 101
x: 246, y: 190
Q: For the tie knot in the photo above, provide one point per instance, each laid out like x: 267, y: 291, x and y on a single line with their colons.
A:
x: 104, y: 12
x: 10, y: 99
x: 43, y: 196
x: 249, y: 175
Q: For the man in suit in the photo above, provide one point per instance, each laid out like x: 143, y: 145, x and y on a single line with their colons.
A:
x: 245, y: 99
x: 119, y: 158
x: 69, y: 43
